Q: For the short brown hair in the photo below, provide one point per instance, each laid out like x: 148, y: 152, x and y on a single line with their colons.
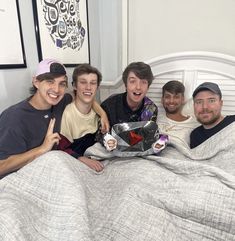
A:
x: 85, y: 69
x: 141, y: 70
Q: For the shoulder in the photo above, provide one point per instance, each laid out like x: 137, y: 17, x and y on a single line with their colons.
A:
x: 150, y: 106
x: 67, y: 99
x: 116, y: 98
x: 162, y: 117
x: 192, y: 121
x: 196, y: 130
x: 59, y: 108
x: 69, y: 110
x: 69, y: 106
x: 149, y: 102
x: 230, y: 118
x: 15, y: 110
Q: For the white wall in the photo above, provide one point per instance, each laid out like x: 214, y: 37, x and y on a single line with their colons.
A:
x: 159, y: 27
x: 15, y: 83
x: 122, y: 31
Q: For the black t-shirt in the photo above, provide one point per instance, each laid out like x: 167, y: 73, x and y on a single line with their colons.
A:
x: 200, y: 134
x: 118, y: 110
x: 23, y: 127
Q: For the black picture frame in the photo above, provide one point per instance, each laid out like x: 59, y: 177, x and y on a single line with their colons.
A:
x: 11, y: 41
x: 62, y: 31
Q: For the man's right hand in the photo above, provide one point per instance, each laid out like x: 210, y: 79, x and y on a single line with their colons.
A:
x: 51, y: 138
x: 15, y: 162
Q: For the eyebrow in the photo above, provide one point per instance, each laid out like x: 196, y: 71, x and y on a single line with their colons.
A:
x: 83, y: 79
x: 132, y: 77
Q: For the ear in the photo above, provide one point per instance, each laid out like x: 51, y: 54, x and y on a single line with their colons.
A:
x: 183, y: 100
x: 35, y: 82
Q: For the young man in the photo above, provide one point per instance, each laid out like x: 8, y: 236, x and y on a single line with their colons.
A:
x: 174, y: 123
x: 133, y: 105
x: 208, y: 103
x: 79, y: 121
x: 30, y: 128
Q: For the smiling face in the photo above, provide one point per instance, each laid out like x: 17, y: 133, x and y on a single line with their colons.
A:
x: 86, y: 88
x: 172, y: 102
x: 49, y: 92
x: 136, y: 90
x: 207, y: 108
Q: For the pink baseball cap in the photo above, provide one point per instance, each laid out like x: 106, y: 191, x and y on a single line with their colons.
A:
x: 50, y: 66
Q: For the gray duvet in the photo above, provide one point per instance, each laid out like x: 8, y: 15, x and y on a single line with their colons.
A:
x: 180, y: 195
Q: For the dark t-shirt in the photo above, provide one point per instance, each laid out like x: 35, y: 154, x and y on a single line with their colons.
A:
x: 200, y: 134
x: 118, y: 110
x: 23, y: 127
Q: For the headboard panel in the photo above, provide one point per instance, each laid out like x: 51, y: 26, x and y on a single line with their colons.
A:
x: 192, y: 69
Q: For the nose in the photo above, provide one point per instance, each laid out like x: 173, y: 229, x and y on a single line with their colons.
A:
x: 171, y: 100
x: 88, y: 86
x: 138, y: 85
x: 204, y: 105
x: 56, y: 87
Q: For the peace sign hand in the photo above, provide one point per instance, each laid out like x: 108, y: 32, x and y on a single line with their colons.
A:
x: 51, y: 138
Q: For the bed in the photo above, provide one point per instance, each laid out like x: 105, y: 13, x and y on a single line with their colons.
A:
x: 192, y: 69
x: 179, y: 195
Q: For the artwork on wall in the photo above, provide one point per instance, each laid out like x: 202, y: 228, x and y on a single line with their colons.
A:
x: 62, y: 30
x: 11, y: 41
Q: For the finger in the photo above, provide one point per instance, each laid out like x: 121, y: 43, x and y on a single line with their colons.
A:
x: 103, y: 129
x: 100, y: 166
x: 51, y: 126
x: 56, y: 138
x: 107, y: 127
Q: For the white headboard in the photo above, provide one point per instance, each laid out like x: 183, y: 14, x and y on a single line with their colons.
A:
x: 192, y: 69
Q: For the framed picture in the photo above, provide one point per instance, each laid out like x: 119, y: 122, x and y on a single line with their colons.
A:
x: 11, y: 41
x: 61, y: 29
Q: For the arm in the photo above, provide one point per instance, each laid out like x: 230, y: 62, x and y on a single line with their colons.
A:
x: 14, y: 162
x: 103, y: 116
x: 65, y: 145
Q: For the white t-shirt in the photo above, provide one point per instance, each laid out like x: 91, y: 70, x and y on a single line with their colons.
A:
x: 177, y: 129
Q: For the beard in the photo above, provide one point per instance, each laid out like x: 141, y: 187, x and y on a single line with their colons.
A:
x: 172, y: 111
x: 214, y: 119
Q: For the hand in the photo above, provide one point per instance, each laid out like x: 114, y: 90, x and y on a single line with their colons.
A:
x: 110, y: 142
x: 104, y: 124
x: 92, y: 163
x: 160, y: 143
x: 51, y: 138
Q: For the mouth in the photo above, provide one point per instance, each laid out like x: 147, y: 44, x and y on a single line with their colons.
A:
x: 87, y: 93
x: 137, y: 93
x: 171, y: 106
x: 53, y: 96
x: 205, y: 114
